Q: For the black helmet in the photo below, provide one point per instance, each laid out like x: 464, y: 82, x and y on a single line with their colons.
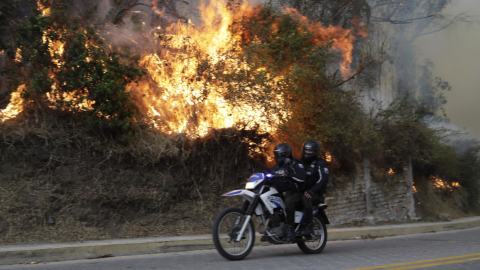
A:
x: 310, y: 150
x: 281, y: 152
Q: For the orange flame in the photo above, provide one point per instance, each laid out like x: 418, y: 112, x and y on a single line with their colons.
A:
x: 390, y: 171
x: 342, y: 38
x: 328, y: 157
x: 440, y: 184
x: 45, y: 11
x: 14, y: 107
x: 18, y: 55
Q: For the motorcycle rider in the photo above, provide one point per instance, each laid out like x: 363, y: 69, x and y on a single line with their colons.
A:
x: 315, y: 186
x: 295, y: 171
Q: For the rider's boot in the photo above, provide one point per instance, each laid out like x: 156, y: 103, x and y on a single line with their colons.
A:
x: 290, y: 234
x: 307, y: 229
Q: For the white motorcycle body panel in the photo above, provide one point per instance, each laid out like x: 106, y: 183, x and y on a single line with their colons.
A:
x: 272, y: 202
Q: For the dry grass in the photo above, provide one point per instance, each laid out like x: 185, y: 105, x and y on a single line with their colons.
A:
x: 60, y: 183
x: 431, y: 202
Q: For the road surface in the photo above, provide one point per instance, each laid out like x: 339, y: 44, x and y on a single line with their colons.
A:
x: 442, y: 251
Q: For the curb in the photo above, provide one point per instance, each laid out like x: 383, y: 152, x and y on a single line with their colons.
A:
x: 123, y: 247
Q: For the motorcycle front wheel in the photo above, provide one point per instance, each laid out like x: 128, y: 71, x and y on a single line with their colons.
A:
x: 225, y: 230
x: 317, y: 241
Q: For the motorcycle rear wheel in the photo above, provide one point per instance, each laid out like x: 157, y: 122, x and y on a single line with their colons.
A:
x: 318, y: 240
x: 225, y: 230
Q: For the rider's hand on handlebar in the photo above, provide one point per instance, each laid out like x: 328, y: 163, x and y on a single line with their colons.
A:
x: 308, y: 194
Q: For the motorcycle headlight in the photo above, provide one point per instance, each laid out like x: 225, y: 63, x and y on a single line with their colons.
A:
x: 250, y: 185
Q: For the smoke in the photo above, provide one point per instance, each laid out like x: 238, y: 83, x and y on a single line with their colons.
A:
x: 414, y: 34
x: 399, y: 24
x: 463, y: 146
x: 455, y: 56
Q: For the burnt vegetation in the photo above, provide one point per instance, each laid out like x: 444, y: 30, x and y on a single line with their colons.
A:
x: 81, y: 162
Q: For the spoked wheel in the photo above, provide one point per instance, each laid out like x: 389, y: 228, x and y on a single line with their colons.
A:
x: 315, y: 243
x: 226, y: 228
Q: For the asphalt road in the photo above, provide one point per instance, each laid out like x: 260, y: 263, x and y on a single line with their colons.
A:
x: 449, y: 250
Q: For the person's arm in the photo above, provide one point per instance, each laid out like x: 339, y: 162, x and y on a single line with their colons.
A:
x: 297, y: 172
x: 322, y: 178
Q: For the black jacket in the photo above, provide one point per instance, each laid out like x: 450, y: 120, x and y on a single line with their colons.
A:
x: 294, y: 171
x: 317, y: 176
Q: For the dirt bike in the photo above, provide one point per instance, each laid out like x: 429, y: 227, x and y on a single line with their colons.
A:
x: 234, y: 232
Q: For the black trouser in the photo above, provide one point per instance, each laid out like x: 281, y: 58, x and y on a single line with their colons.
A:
x: 308, y: 206
x: 296, y: 200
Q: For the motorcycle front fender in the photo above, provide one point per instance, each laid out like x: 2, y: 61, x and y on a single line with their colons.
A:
x: 247, y: 195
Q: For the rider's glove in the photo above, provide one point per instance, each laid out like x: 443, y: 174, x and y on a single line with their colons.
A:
x: 311, y: 193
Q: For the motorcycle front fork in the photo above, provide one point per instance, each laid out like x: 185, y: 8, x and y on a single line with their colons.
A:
x: 248, y: 216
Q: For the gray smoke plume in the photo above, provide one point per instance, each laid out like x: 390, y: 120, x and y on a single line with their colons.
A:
x: 404, y: 72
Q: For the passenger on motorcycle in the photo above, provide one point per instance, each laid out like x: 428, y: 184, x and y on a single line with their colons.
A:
x: 291, y: 184
x: 315, y: 186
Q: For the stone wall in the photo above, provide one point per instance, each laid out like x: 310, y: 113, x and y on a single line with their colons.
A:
x: 390, y: 203
x: 366, y: 202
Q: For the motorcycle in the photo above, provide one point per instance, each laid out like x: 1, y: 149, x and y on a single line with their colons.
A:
x: 234, y: 232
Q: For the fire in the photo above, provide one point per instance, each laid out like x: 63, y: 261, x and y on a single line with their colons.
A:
x: 14, y: 107
x: 18, y: 55
x: 45, y: 10
x: 342, y: 38
x: 390, y: 171
x: 440, y: 184
x: 328, y: 157
x: 176, y: 97
x: 183, y: 102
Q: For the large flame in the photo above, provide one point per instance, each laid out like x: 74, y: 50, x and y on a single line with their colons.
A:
x: 176, y: 98
x: 182, y: 102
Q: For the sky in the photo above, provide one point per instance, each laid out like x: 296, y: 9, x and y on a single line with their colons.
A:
x: 455, y: 53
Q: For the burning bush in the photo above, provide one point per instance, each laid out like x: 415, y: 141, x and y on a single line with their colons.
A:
x: 61, y: 64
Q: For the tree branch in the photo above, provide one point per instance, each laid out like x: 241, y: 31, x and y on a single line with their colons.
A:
x: 359, y: 71
x: 377, y: 19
